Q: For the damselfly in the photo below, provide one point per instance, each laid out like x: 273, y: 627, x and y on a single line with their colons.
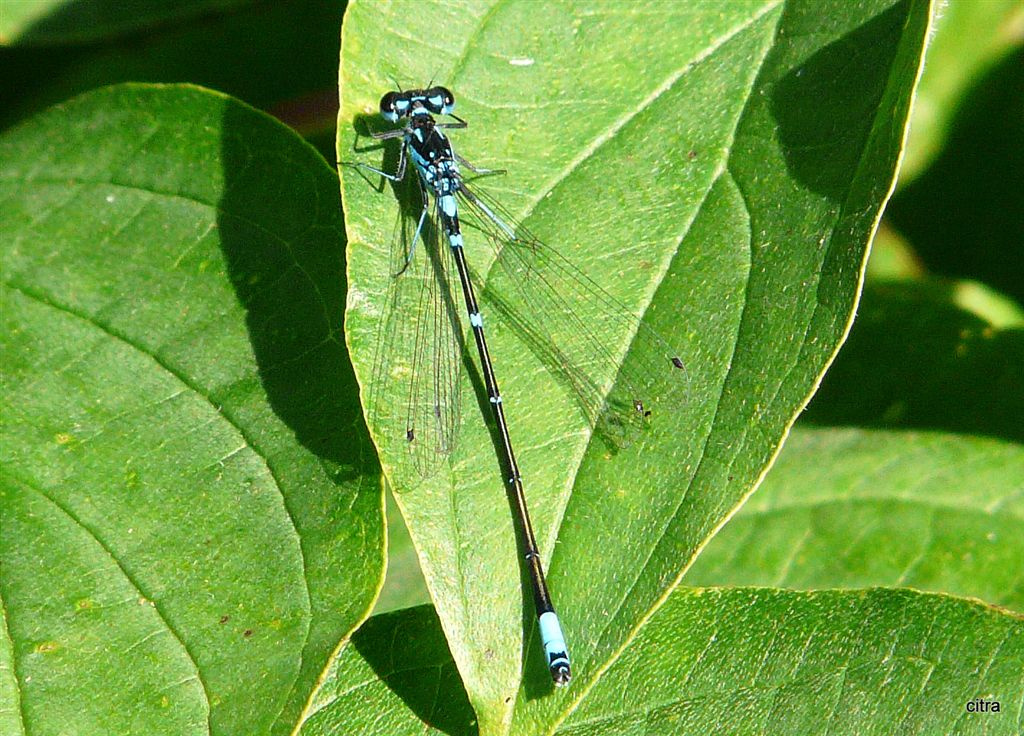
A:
x: 559, y: 312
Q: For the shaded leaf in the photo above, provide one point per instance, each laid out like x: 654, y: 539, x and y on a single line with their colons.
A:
x: 961, y: 215
x: 917, y: 360
x: 191, y: 508
x: 395, y: 676
x: 969, y: 37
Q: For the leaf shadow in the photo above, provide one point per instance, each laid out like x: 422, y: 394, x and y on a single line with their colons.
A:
x: 405, y: 648
x: 825, y: 107
x: 288, y: 272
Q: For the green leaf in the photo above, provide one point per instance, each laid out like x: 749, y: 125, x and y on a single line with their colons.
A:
x: 890, y: 478
x: 754, y: 661
x: 721, y: 176
x: 711, y: 661
x: 191, y: 508
x: 848, y: 507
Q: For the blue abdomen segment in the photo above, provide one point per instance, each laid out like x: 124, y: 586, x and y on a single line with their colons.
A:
x: 554, y: 647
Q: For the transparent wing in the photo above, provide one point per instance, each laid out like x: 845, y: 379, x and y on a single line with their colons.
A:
x: 578, y: 329
x: 420, y: 342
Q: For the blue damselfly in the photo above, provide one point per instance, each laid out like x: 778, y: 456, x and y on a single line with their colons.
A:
x: 553, y: 306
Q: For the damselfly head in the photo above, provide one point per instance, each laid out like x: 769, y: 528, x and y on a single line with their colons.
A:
x: 561, y: 675
x: 435, y: 100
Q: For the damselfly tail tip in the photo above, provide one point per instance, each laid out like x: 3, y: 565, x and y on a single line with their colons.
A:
x: 561, y: 674
x: 554, y: 647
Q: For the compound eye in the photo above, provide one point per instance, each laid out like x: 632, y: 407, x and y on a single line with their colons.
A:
x: 440, y: 100
x: 392, y: 106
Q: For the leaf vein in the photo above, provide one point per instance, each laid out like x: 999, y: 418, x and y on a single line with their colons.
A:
x: 46, y: 300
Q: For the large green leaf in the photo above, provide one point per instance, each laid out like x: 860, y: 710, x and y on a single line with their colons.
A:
x: 190, y: 505
x: 755, y: 661
x: 739, y: 661
x: 849, y: 507
x: 721, y: 175
x: 907, y: 469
